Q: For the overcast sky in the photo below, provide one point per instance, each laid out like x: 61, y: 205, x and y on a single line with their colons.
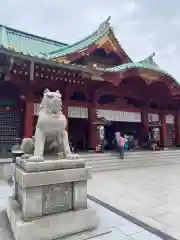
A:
x: 141, y: 26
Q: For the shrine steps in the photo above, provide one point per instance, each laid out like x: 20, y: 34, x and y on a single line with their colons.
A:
x: 111, y: 161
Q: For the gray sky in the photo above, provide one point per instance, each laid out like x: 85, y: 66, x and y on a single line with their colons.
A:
x: 141, y: 26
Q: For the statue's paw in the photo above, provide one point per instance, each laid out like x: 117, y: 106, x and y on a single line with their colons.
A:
x: 75, y: 156
x: 26, y: 156
x: 60, y: 154
x: 69, y: 156
x: 35, y: 159
x: 72, y: 156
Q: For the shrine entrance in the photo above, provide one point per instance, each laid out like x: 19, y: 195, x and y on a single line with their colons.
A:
x: 127, y: 123
x: 125, y: 128
x: 78, y: 133
x: 78, y: 127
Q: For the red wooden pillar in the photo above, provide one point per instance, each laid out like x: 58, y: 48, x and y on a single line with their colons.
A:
x: 162, y: 118
x: 28, y: 117
x: 177, y: 128
x: 145, y: 122
x: 92, y: 129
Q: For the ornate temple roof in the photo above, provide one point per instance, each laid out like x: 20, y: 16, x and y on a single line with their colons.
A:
x: 84, y: 43
x: 147, y: 63
x: 27, y: 44
x: 102, y: 37
x: 53, y: 51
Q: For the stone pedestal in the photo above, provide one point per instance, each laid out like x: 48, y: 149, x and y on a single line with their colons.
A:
x: 50, y: 200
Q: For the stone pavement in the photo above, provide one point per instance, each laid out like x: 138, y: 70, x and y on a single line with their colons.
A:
x: 151, y: 195
x: 120, y: 228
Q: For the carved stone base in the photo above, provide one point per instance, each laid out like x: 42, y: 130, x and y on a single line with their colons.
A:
x: 52, y: 226
x: 50, y: 200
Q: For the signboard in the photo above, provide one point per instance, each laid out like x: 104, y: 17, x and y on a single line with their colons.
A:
x: 153, y: 117
x: 170, y: 119
x: 119, y: 116
x: 73, y: 112
x: 78, y: 112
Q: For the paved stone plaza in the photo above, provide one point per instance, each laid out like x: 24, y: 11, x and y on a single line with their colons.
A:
x: 151, y: 195
x: 119, y: 228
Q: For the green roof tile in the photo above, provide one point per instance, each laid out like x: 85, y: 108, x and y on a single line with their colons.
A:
x: 95, y: 36
x: 35, y: 46
x: 26, y: 43
x: 3, y: 37
x: 147, y: 63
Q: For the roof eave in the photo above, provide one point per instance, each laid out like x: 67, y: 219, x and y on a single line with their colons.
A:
x: 43, y: 61
x: 138, y: 65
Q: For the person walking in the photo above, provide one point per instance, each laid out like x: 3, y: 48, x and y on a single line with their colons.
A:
x: 121, y: 146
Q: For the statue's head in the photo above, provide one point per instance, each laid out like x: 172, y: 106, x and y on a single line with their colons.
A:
x: 51, y: 102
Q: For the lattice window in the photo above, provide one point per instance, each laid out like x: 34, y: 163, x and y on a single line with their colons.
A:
x: 9, y: 126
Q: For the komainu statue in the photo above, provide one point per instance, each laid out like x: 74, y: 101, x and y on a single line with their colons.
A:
x: 50, y: 134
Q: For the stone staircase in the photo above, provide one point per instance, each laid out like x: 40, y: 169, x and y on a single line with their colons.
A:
x: 135, y: 159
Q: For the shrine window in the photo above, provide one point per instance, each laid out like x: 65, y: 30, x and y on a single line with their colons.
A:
x: 79, y: 97
x: 171, y: 107
x: 107, y: 99
x: 134, y: 102
x: 153, y: 105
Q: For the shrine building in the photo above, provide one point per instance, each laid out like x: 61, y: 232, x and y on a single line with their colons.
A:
x: 99, y: 82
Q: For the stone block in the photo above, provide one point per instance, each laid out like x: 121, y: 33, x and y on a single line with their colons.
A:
x: 19, y: 194
x: 31, y: 203
x: 80, y: 195
x: 57, y: 198
x: 50, y: 227
x: 33, y: 179
x: 103, y: 231
x: 50, y: 164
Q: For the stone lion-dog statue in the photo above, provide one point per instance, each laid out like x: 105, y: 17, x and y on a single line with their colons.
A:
x: 50, y: 131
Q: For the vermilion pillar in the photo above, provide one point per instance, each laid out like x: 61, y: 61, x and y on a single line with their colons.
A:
x: 92, y: 129
x: 177, y: 128
x: 28, y: 118
x: 162, y: 117
x: 145, y: 122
